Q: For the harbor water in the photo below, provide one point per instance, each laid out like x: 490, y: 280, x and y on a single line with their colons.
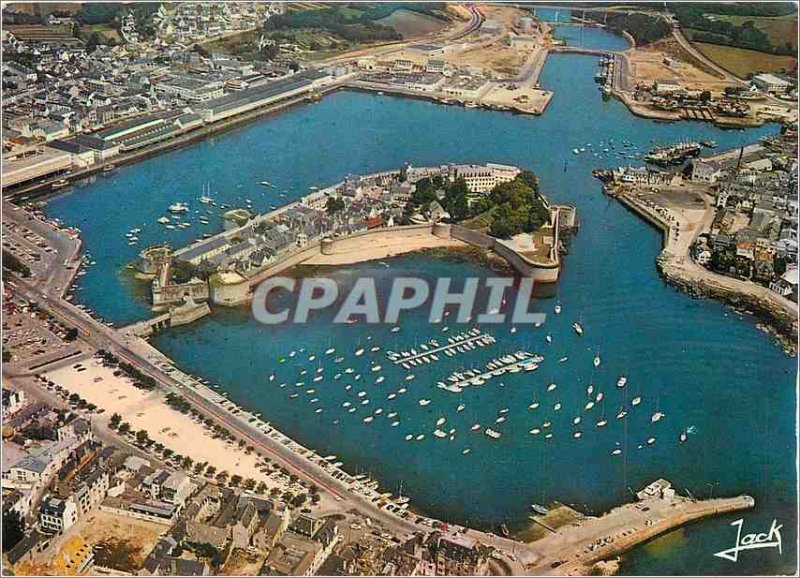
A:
x: 707, y: 369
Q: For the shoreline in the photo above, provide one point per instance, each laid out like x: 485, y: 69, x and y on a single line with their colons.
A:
x: 681, y: 273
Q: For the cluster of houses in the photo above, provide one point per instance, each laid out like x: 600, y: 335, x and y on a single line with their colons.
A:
x: 67, y: 106
x: 754, y: 233
x: 56, y: 474
x: 249, y: 245
x: 429, y: 74
x: 196, y: 21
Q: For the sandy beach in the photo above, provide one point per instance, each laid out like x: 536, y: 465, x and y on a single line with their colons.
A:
x: 381, y: 246
x: 147, y: 410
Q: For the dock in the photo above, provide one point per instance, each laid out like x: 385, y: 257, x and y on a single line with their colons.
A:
x: 576, y: 549
x: 448, y: 346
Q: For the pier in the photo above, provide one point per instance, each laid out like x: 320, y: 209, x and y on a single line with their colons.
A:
x: 449, y: 346
x: 575, y: 550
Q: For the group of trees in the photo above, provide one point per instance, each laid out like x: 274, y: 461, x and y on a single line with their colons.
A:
x: 509, y: 209
x: 337, y: 25
x: 455, y: 197
x: 12, y: 263
x: 517, y: 207
x: 644, y: 28
x: 721, y: 31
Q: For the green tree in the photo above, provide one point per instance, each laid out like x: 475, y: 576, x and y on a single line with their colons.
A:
x: 142, y: 437
x: 13, y: 529
x: 334, y: 205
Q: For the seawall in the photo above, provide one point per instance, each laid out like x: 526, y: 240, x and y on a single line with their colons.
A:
x: 383, y: 243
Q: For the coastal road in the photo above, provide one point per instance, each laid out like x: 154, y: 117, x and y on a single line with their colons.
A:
x: 137, y: 352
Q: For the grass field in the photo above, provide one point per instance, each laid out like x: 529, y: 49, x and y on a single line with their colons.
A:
x: 779, y: 29
x: 742, y: 62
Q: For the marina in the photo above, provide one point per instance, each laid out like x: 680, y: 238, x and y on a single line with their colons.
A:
x: 617, y: 304
x: 428, y: 352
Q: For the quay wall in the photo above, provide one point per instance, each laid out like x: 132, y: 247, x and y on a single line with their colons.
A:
x: 546, y: 272
x: 716, y: 507
x: 234, y: 294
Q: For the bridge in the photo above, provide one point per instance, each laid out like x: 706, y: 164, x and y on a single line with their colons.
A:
x: 147, y: 327
x: 581, y: 50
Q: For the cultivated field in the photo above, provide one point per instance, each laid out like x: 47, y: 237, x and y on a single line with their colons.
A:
x: 742, y: 62
x: 779, y: 29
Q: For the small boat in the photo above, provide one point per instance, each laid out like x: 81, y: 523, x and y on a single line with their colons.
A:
x: 424, y: 402
x: 622, y: 381
x: 475, y: 427
x: 577, y: 327
x: 551, y: 387
x: 539, y: 509
x: 163, y: 220
x: 548, y: 338
x: 651, y: 441
x: 596, y: 361
x: 656, y: 416
x: 465, y: 451
x: 683, y: 437
x: 492, y: 433
x: 557, y: 309
x: 636, y: 400
x: 616, y: 452
x: 602, y: 423
x: 577, y: 435
x: 622, y: 413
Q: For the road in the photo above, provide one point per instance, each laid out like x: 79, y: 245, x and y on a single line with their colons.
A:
x: 49, y: 296
x: 475, y: 21
x: 691, y: 49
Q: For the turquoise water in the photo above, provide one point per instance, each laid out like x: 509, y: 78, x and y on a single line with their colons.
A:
x: 588, y: 37
x: 553, y: 14
x: 698, y: 363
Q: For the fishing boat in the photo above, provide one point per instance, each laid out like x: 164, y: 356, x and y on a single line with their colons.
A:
x: 492, y: 433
